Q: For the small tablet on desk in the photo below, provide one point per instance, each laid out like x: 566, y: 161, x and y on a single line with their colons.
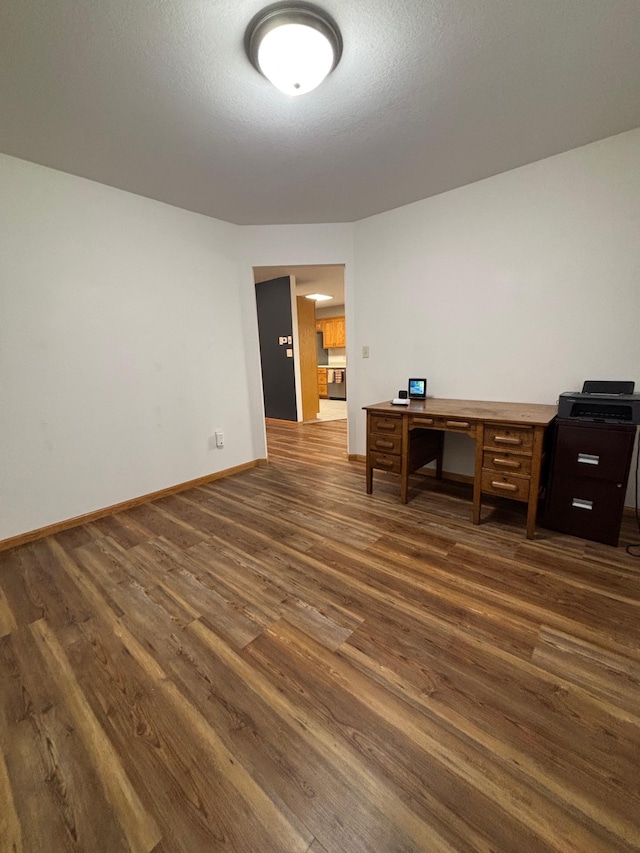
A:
x: 418, y: 389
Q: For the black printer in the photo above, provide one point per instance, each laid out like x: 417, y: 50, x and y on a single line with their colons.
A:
x: 601, y: 402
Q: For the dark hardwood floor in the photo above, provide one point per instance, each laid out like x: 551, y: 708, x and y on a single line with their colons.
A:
x: 277, y: 662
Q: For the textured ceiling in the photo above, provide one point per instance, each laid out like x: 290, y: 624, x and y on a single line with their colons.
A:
x: 157, y: 97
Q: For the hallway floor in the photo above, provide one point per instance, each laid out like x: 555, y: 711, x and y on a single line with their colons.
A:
x: 332, y: 410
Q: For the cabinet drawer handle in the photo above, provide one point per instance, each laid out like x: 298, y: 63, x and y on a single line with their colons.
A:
x: 506, y: 439
x: 387, y: 426
x: 427, y: 421
x: 588, y: 459
x: 507, y: 487
x: 387, y: 445
x: 579, y: 503
x: 459, y: 424
x: 507, y: 463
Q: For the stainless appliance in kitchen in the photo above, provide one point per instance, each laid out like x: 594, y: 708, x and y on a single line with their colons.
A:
x: 337, y: 389
x: 323, y: 354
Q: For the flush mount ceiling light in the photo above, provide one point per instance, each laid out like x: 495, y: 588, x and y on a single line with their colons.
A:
x: 294, y: 45
x: 319, y: 297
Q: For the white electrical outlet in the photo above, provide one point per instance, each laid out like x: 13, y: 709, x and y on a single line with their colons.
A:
x: 219, y: 438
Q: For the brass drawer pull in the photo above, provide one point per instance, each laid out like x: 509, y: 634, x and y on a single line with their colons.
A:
x: 507, y: 487
x: 459, y: 424
x: 387, y: 445
x: 506, y: 439
x: 384, y: 463
x: 387, y: 426
x: 507, y: 463
x: 426, y: 421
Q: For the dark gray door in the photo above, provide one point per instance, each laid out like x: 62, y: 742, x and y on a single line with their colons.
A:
x: 275, y: 322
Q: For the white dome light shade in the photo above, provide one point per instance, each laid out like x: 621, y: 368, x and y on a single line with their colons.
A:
x: 294, y: 45
x: 295, y: 58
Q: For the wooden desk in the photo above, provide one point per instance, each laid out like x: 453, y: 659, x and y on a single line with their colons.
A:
x: 509, y: 441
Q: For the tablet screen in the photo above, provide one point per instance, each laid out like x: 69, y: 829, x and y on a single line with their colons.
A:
x: 417, y: 389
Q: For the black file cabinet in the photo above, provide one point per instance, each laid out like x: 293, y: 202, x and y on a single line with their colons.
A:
x: 588, y: 478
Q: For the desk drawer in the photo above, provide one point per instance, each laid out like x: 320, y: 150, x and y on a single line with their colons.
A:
x: 505, y: 437
x: 456, y: 425
x: 385, y: 424
x: 385, y: 462
x: 507, y: 463
x: 505, y: 485
x: 385, y: 443
x: 421, y: 422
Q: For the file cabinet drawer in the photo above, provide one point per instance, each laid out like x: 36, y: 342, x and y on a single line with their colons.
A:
x: 586, y: 507
x: 593, y: 450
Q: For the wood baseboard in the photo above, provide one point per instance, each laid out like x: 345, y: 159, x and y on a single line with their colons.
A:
x: 49, y: 530
x: 66, y: 524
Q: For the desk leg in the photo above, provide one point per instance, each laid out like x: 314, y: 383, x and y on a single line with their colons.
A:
x: 534, y: 485
x: 404, y: 462
x: 477, y: 478
x: 439, y: 457
x: 369, y: 467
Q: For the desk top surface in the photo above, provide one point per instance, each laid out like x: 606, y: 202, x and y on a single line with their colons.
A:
x: 535, y: 414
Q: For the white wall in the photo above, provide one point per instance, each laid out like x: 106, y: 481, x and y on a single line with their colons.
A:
x: 121, y: 347
x: 515, y: 288
x: 128, y: 328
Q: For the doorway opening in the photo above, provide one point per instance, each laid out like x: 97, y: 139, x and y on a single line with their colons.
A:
x: 316, y: 356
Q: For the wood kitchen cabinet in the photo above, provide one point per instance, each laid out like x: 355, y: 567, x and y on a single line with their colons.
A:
x: 323, y: 392
x: 320, y: 327
x: 333, y: 332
